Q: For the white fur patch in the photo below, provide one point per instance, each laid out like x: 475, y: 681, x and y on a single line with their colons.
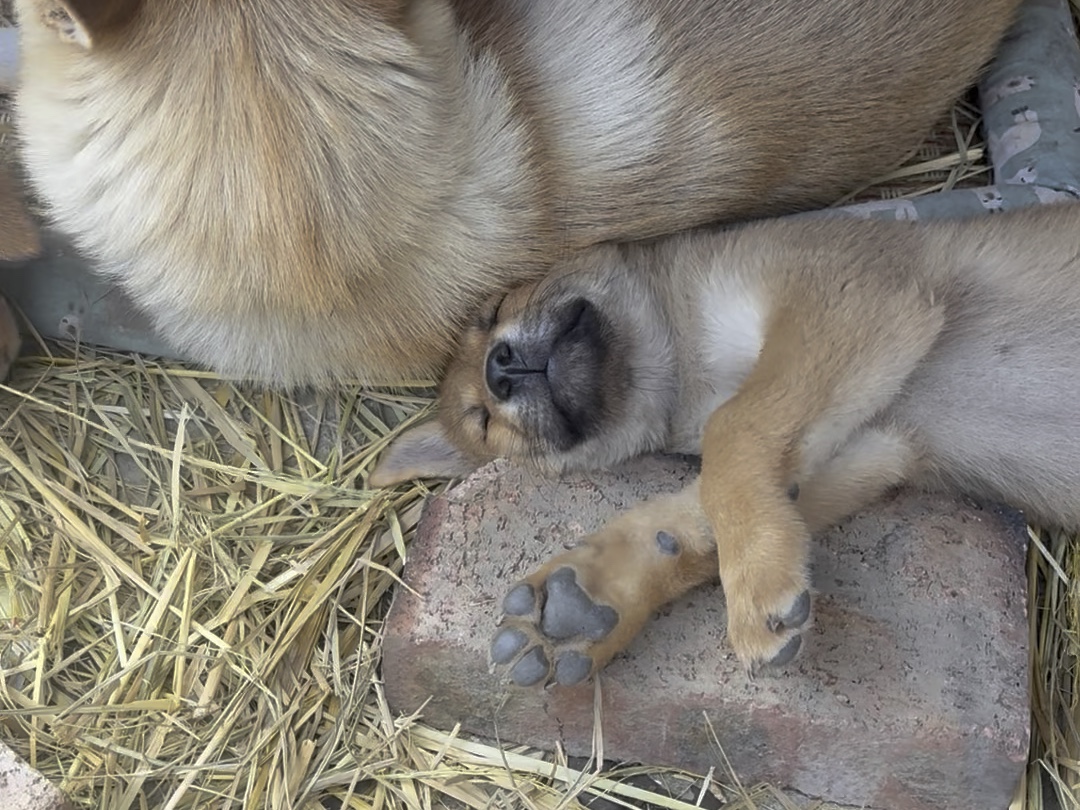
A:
x: 606, y: 97
x: 733, y: 321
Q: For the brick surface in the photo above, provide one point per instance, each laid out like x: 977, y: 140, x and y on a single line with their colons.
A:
x: 23, y: 788
x: 911, y: 692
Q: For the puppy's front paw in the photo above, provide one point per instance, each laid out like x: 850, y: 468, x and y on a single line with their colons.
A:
x: 554, y: 630
x: 767, y: 614
x: 571, y: 616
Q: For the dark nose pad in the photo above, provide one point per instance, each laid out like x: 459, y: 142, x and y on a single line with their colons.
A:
x: 497, y: 371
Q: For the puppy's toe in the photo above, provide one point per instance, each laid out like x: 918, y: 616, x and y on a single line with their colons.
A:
x: 787, y: 653
x: 769, y: 639
x: 521, y: 601
x: 522, y: 655
x: 532, y: 668
x: 572, y: 667
x: 794, y: 617
x: 508, y: 644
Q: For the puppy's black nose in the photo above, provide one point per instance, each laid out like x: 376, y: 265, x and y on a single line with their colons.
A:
x: 498, y: 371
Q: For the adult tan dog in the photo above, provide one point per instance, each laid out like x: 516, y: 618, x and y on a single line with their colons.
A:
x: 813, y: 364
x: 305, y: 191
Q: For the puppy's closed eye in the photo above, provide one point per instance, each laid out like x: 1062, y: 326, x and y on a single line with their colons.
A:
x: 482, y: 416
x: 489, y: 314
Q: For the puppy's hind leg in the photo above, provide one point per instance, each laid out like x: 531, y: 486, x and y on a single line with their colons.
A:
x: 872, y: 462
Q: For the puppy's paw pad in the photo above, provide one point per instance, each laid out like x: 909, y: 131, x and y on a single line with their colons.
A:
x: 569, y: 612
x: 794, y: 617
x: 572, y: 667
x: 532, y: 668
x: 506, y: 645
x: 550, y: 630
x: 786, y: 654
x: 521, y: 601
x: 772, y: 653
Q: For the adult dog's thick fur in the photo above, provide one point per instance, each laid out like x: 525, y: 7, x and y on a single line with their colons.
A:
x: 303, y: 191
x: 813, y: 364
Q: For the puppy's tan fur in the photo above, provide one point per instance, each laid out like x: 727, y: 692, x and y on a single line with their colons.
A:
x: 304, y: 191
x: 813, y: 364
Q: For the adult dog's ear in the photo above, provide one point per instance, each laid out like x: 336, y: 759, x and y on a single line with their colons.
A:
x: 88, y: 22
x: 421, y: 452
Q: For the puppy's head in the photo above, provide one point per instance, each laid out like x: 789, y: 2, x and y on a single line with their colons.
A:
x: 572, y: 372
x: 539, y: 373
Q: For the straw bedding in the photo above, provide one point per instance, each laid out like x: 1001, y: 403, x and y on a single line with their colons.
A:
x: 193, y: 577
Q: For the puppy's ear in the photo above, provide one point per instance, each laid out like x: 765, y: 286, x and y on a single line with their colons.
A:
x: 422, y: 452
x: 88, y: 22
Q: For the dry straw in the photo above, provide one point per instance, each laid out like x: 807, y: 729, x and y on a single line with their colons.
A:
x: 193, y: 577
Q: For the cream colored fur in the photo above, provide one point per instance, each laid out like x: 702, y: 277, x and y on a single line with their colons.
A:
x: 302, y: 192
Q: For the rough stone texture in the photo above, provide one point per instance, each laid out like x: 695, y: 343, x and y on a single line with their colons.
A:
x: 23, y: 788
x: 911, y: 693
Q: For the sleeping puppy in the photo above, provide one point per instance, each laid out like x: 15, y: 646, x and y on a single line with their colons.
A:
x: 814, y: 365
x: 304, y: 192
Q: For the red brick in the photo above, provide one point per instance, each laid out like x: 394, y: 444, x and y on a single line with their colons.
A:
x: 910, y: 693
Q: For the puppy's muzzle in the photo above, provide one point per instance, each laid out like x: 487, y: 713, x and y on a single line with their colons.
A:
x: 551, y: 368
x: 509, y: 365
